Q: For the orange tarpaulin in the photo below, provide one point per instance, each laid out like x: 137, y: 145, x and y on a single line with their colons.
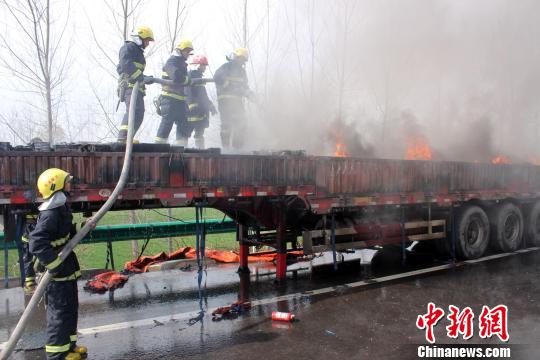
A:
x: 107, y: 281
x: 142, y: 264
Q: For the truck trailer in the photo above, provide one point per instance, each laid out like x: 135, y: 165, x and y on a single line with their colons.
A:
x: 277, y: 199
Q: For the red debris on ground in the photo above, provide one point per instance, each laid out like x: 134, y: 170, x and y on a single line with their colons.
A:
x: 232, y: 311
x: 107, y: 281
x: 141, y: 265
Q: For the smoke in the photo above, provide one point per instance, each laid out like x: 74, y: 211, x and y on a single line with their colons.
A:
x: 347, y: 140
x: 463, y: 75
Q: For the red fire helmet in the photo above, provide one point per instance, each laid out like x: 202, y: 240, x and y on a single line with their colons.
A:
x: 199, y: 59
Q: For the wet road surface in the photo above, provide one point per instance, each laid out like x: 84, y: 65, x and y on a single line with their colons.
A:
x: 164, y: 315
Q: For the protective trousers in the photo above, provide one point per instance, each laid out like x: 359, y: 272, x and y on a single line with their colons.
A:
x: 233, y: 122
x: 62, y: 312
x: 173, y: 111
x: 28, y: 260
x: 139, y: 114
x: 197, y: 127
x: 197, y: 122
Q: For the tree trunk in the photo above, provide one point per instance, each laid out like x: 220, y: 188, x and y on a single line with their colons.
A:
x: 245, y: 24
x: 48, y: 99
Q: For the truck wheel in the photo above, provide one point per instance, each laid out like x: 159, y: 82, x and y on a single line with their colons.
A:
x: 506, y: 228
x: 472, y: 238
x: 533, y: 225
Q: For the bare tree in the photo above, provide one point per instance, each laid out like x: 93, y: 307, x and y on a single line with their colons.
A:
x: 38, y: 59
x: 176, y: 17
x: 21, y: 125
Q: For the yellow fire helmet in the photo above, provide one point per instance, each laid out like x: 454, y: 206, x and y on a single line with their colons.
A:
x: 185, y: 44
x: 145, y: 32
x: 51, y: 181
x: 242, y: 52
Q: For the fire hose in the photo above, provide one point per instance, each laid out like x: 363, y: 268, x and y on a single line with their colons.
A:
x: 166, y: 82
x: 90, y: 224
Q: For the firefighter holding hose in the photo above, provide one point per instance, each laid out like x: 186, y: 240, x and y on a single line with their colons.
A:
x: 52, y: 232
x: 199, y: 105
x: 232, y: 90
x: 130, y: 68
x: 172, y: 103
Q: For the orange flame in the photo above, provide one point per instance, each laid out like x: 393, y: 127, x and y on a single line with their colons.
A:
x: 500, y: 160
x: 341, y: 150
x: 418, y: 149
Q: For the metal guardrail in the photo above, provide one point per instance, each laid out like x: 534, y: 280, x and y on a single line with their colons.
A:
x: 113, y: 233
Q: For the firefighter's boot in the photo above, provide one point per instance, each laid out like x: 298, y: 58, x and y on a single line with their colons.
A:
x: 73, y: 356
x: 183, y: 141
x: 81, y: 350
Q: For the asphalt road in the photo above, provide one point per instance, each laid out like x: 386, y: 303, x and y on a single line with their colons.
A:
x: 360, y: 312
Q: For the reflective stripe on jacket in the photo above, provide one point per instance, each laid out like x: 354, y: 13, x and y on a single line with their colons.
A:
x: 198, y: 102
x: 175, y: 69
x: 53, y: 230
x: 131, y: 61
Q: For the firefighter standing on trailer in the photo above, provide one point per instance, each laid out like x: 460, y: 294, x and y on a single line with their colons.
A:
x: 52, y: 232
x: 232, y: 88
x: 199, y: 105
x: 172, y: 102
x: 28, y: 259
x: 130, y: 68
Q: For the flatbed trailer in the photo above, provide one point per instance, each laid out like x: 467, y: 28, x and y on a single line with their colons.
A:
x: 333, y: 203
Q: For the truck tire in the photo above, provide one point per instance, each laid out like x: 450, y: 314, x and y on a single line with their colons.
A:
x: 472, y: 238
x: 532, y: 229
x: 506, y: 228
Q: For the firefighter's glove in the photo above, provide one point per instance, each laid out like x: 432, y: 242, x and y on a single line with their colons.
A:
x: 122, y: 86
x: 148, y: 80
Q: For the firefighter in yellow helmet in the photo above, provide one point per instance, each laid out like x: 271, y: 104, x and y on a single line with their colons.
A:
x: 232, y: 90
x: 172, y: 101
x: 130, y: 69
x: 52, y: 231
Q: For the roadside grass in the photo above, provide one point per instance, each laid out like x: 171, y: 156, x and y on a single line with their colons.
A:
x: 95, y: 255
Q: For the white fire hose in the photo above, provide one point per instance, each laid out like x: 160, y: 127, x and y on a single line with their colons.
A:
x: 90, y: 224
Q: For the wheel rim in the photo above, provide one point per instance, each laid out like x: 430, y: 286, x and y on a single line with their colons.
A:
x: 511, y: 228
x: 474, y: 232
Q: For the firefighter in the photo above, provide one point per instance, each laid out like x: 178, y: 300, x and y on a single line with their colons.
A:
x: 130, y: 68
x: 199, y: 105
x: 28, y: 258
x: 172, y: 102
x: 52, y: 231
x: 232, y: 90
